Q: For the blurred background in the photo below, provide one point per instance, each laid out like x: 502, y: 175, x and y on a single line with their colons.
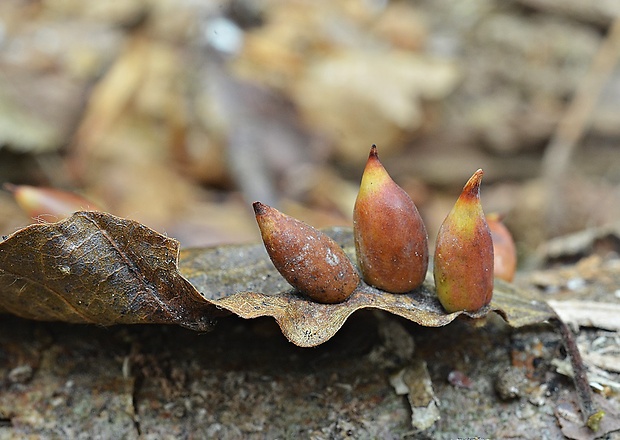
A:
x: 180, y: 113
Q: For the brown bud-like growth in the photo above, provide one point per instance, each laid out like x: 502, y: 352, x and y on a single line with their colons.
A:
x: 504, y: 249
x: 308, y: 259
x: 390, y: 237
x: 463, y: 265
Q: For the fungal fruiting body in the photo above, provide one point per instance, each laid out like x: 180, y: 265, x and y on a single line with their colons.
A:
x: 391, y: 243
x: 504, y: 249
x: 308, y: 259
x: 463, y: 264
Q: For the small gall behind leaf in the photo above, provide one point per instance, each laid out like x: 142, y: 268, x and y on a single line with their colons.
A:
x: 504, y: 249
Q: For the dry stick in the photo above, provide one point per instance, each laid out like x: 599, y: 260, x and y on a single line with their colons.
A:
x: 599, y: 13
x: 591, y: 416
x: 576, y: 119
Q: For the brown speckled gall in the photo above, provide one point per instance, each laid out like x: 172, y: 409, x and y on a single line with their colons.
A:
x: 308, y: 259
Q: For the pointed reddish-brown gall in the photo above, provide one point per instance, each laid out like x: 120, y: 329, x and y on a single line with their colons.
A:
x: 504, y: 249
x: 463, y: 265
x: 308, y: 259
x: 391, y: 243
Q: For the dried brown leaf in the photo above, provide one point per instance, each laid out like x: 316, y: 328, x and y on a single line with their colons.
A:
x: 99, y: 269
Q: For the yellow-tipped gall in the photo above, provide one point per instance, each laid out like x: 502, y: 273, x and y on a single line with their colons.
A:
x: 463, y: 265
x: 504, y: 249
x: 391, y: 242
x: 308, y: 259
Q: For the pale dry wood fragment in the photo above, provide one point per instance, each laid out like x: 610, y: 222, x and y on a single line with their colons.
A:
x: 588, y: 313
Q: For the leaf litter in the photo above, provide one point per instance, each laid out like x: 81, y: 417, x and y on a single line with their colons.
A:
x: 100, y: 269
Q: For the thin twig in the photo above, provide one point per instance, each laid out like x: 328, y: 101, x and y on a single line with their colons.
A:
x: 591, y: 415
x: 577, y: 117
x: 576, y: 121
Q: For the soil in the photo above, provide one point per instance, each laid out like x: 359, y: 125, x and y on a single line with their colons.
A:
x: 244, y: 380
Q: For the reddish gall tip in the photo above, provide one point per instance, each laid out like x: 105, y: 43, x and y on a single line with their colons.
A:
x: 477, y: 176
x: 472, y: 187
x: 373, y: 152
x: 259, y: 208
